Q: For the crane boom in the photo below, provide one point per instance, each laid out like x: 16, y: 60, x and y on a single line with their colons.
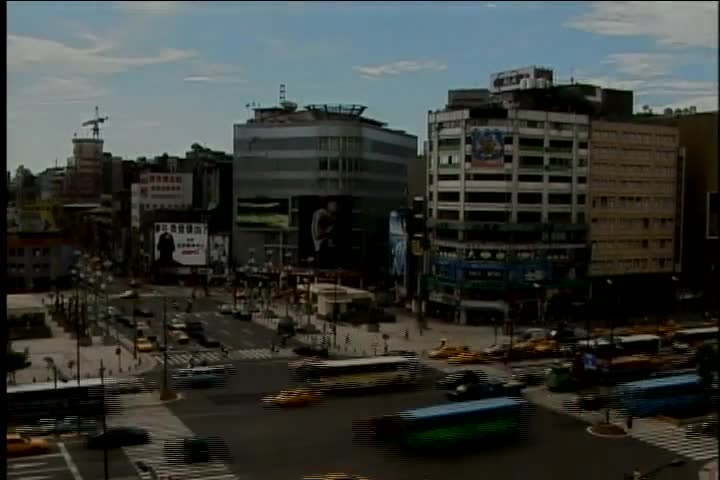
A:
x: 95, y: 123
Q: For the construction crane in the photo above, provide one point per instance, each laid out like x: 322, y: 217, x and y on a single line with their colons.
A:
x: 95, y: 122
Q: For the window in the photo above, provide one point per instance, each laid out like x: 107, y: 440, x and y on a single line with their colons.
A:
x: 530, y: 178
x: 531, y: 162
x: 561, y: 144
x: 529, y: 217
x: 448, y: 178
x: 448, y: 215
x: 644, y: 244
x: 527, y: 143
x: 508, y: 140
x: 583, y: 145
x: 581, y: 199
x: 559, y: 163
x: 492, y: 177
x: 323, y: 163
x: 448, y: 196
x: 37, y: 252
x: 46, y: 252
x: 449, y: 143
x: 530, y: 198
x: 487, y: 197
x: 11, y: 252
x: 559, y: 199
x: 491, y: 217
x: 508, y: 158
x: 581, y: 217
x: 582, y: 180
x: 535, y: 124
x: 559, y: 179
x: 334, y: 164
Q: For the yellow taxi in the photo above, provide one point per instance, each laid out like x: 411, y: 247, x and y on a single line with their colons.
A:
x: 468, y: 358
x: 335, y: 476
x: 447, y: 351
x: 20, y: 446
x: 293, y: 398
x: 144, y: 345
x: 180, y: 337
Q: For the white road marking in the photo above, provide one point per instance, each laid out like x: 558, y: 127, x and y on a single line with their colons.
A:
x: 37, y: 477
x: 25, y: 465
x: 44, y: 470
x: 36, y: 457
x: 68, y: 459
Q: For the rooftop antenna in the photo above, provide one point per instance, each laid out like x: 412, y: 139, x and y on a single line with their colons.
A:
x: 282, y: 93
x: 95, y: 122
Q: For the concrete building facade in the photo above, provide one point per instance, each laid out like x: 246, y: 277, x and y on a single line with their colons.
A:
x: 635, y: 221
x: 157, y: 191
x: 322, y: 151
x: 83, y: 179
x: 507, y: 207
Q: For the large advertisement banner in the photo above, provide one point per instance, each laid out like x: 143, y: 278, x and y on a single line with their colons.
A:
x: 488, y: 147
x: 267, y: 213
x: 398, y: 237
x: 219, y: 254
x: 180, y: 244
x: 325, y: 230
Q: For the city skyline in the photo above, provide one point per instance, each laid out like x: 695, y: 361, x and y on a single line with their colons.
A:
x: 173, y: 73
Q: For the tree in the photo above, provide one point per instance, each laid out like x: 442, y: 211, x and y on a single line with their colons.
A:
x: 15, y: 361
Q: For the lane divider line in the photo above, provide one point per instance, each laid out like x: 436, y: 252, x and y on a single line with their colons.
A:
x: 68, y: 459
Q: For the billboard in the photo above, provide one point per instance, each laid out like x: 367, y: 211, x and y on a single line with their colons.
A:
x: 712, y: 209
x: 325, y: 230
x: 266, y: 213
x: 488, y: 147
x: 512, y: 79
x: 180, y: 244
x: 398, y: 239
x: 219, y: 254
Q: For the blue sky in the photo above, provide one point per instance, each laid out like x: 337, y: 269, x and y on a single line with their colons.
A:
x: 173, y: 73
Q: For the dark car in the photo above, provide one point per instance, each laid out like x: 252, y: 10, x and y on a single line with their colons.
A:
x: 243, y: 316
x: 480, y: 391
x: 463, y: 377
x: 116, y: 437
x: 143, y: 312
x: 286, y: 326
x: 124, y: 320
x: 307, y: 351
x: 195, y: 329
x: 196, y: 449
x: 208, y: 342
x: 194, y: 378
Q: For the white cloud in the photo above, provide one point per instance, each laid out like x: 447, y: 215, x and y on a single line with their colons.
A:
x: 27, y: 53
x: 491, y: 5
x: 400, y: 67
x: 679, y: 24
x: 56, y: 90
x: 216, y: 73
x: 644, y: 64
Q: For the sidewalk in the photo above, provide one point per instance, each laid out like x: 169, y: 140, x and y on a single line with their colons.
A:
x: 357, y: 341
x: 709, y: 471
x: 62, y: 348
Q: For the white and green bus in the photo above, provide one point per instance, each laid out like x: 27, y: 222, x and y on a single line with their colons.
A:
x: 357, y: 373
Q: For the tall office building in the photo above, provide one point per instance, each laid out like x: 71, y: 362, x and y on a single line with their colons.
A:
x: 314, y: 186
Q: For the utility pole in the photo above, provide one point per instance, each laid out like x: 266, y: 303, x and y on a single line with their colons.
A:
x: 104, y: 421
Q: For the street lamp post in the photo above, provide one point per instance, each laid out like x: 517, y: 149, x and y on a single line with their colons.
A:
x: 612, y: 351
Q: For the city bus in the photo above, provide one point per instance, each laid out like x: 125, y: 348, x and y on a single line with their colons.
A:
x: 695, y: 336
x: 454, y: 424
x: 359, y: 372
x: 30, y: 402
x: 665, y: 395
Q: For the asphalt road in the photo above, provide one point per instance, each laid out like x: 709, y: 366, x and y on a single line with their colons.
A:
x: 280, y: 444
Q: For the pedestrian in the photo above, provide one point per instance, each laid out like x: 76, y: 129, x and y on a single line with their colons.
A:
x: 407, y: 334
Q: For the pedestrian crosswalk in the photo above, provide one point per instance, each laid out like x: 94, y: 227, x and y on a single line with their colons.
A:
x: 165, y: 428
x: 676, y: 439
x: 652, y: 431
x: 177, y: 359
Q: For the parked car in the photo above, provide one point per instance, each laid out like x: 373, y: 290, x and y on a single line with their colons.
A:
x: 208, y: 342
x: 243, y: 315
x: 142, y: 344
x: 447, y: 351
x: 180, y: 337
x: 298, y: 397
x: 195, y: 329
x: 198, y: 377
x: 22, y: 446
x: 479, y: 391
x: 116, y: 437
x: 226, y: 309
x: 462, y: 377
x: 124, y: 320
x: 129, y: 294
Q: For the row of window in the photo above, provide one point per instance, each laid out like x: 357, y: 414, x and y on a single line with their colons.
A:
x: 629, y: 154
x: 353, y: 144
x: 640, y: 138
x: 629, y: 225
x: 524, y: 143
x: 526, y: 178
x: 36, y: 252
x: 632, y: 264
x: 621, y: 245
x: 562, y: 126
x: 160, y: 206
x: 505, y: 217
x: 160, y: 179
x: 600, y: 167
x: 180, y: 228
x: 634, y: 203
x: 506, y: 197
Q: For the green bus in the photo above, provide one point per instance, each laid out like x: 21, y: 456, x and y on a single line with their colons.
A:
x: 455, y: 424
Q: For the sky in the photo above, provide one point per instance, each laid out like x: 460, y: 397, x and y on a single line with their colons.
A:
x: 170, y: 74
